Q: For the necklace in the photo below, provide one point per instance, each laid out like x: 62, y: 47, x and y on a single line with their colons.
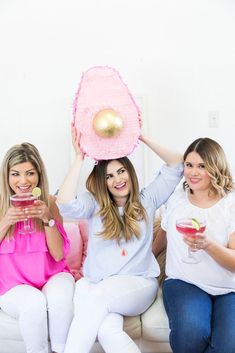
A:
x: 123, y: 252
x: 122, y: 247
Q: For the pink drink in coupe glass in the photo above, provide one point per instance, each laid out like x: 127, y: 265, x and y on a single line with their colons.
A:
x: 190, y: 226
x: 24, y: 201
x: 186, y: 227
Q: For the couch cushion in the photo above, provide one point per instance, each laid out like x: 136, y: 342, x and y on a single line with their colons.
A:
x: 155, y: 326
x: 9, y: 328
x: 10, y: 336
x: 132, y: 326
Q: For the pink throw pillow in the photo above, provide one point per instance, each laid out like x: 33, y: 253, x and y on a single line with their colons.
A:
x: 77, y: 235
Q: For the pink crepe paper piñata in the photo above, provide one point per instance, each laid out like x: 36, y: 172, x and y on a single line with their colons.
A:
x: 102, y: 88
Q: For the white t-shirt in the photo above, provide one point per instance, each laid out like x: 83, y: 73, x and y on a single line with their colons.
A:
x: 207, y: 274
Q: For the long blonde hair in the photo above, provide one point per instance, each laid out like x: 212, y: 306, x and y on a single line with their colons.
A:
x: 24, y: 152
x: 115, y: 225
x: 216, y: 165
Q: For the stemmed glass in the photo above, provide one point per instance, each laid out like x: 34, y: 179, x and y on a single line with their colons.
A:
x: 190, y: 226
x: 24, y: 200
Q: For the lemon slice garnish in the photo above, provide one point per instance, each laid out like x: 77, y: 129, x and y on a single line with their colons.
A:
x: 196, y: 224
x: 36, y: 192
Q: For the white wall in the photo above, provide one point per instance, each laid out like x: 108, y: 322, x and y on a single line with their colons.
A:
x: 178, y: 56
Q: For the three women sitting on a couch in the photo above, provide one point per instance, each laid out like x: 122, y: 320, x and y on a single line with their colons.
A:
x: 120, y: 270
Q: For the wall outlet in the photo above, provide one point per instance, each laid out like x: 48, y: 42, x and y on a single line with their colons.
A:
x: 213, y: 118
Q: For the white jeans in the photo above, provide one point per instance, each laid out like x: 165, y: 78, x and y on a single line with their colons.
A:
x: 31, y: 307
x: 99, y: 309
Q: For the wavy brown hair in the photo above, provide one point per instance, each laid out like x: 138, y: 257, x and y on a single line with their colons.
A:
x: 24, y: 152
x: 216, y: 165
x: 115, y: 225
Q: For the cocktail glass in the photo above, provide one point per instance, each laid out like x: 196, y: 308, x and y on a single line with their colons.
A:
x: 187, y: 226
x: 24, y: 201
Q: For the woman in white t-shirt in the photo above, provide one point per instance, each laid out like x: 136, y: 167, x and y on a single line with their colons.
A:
x: 199, y: 292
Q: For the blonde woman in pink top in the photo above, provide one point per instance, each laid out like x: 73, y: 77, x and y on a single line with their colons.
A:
x: 36, y: 286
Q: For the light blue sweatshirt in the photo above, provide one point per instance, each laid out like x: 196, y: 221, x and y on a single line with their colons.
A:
x: 107, y: 258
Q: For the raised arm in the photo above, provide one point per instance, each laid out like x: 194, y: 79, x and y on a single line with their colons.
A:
x: 68, y: 188
x: 168, y: 156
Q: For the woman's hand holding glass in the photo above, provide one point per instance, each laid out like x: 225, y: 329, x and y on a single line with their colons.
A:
x: 14, y: 215
x: 39, y: 210
x: 192, y: 230
x: 24, y: 208
x: 197, y: 242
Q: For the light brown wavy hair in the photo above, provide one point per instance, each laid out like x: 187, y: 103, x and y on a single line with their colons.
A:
x: 116, y: 226
x: 24, y: 152
x: 216, y: 165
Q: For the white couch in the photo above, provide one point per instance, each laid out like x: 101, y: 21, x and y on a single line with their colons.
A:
x: 149, y: 330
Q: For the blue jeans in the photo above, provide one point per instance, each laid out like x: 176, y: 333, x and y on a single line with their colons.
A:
x: 199, y: 322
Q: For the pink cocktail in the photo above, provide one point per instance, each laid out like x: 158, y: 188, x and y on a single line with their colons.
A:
x: 190, y: 227
x: 24, y: 200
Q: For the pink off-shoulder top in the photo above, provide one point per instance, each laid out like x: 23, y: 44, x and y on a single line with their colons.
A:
x: 25, y: 259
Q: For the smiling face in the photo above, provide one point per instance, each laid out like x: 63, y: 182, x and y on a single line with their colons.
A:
x: 118, y: 182
x: 195, y: 173
x: 23, y: 178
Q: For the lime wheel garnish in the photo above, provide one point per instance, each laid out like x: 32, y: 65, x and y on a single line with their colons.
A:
x: 36, y: 192
x: 196, y: 224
